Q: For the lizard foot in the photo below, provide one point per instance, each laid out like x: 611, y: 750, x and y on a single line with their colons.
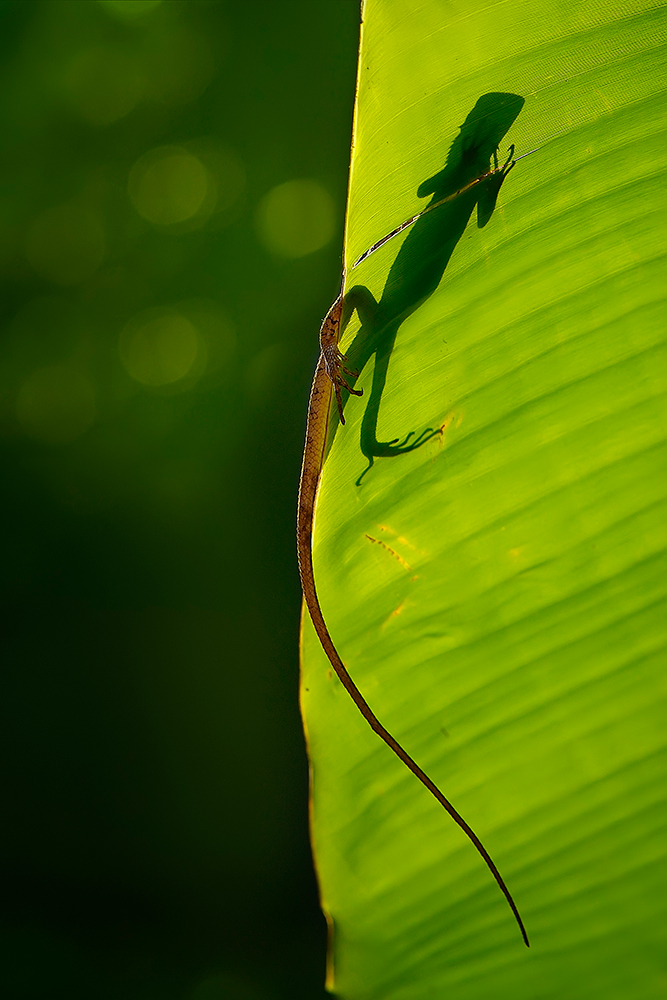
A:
x: 334, y: 364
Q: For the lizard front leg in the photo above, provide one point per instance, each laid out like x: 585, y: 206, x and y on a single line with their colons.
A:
x: 334, y: 361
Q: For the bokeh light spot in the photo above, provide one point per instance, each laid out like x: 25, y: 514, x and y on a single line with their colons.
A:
x: 226, y: 173
x: 296, y: 218
x: 103, y: 84
x: 168, y: 185
x: 159, y: 349
x: 66, y: 244
x: 56, y: 404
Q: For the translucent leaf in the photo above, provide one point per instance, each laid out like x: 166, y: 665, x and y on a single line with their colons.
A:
x: 498, y: 593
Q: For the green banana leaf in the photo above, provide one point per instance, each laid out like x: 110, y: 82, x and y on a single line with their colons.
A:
x: 498, y: 591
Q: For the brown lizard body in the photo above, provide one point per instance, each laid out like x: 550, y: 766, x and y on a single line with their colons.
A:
x: 328, y: 379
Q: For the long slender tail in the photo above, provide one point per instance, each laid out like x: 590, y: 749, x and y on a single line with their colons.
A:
x: 313, y: 455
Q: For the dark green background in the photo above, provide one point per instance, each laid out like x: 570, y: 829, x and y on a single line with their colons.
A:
x: 156, y: 841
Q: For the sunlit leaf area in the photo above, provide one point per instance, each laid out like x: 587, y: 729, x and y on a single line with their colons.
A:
x: 172, y: 193
x: 491, y: 532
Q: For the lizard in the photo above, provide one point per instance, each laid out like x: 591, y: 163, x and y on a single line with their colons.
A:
x: 331, y: 376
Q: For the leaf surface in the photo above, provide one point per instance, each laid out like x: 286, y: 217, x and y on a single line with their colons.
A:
x: 498, y: 594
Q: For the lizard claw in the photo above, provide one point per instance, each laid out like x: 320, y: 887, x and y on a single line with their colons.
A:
x: 336, y: 371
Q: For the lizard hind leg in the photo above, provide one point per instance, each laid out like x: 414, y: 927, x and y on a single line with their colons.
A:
x: 334, y: 363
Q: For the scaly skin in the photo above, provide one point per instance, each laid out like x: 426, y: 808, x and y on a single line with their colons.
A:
x: 328, y: 379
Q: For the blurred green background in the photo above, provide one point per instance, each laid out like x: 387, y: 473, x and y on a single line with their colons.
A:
x: 173, y: 190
